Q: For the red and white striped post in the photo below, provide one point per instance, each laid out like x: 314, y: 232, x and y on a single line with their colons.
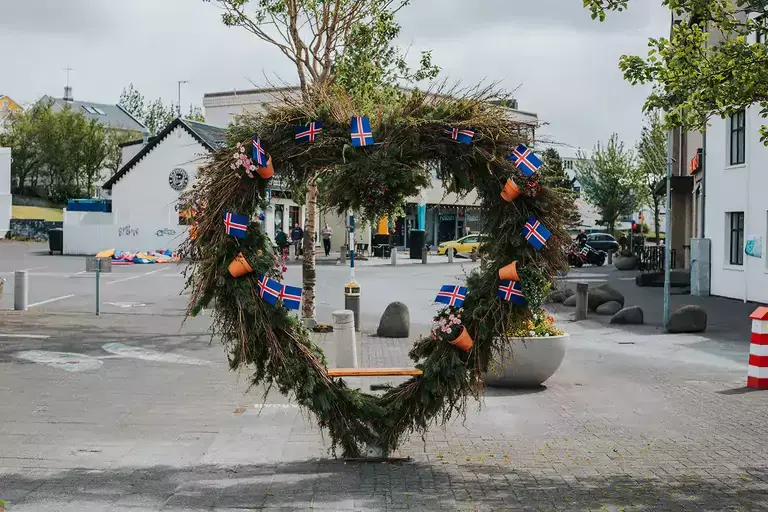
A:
x: 757, y: 375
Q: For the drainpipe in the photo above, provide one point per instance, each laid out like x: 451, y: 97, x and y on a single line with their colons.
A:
x: 703, y: 183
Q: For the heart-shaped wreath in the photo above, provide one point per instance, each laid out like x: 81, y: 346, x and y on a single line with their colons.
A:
x: 415, y: 133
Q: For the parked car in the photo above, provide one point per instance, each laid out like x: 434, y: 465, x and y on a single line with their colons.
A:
x: 462, y: 245
x: 602, y: 242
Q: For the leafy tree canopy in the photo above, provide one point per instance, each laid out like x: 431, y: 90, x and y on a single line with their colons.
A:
x: 712, y: 65
x: 608, y: 180
x: 155, y: 115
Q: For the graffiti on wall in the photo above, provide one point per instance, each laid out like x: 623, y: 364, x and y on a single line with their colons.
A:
x: 32, y: 229
x: 165, y: 232
x: 127, y: 231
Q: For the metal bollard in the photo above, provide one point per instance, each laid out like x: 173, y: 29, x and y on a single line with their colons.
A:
x: 610, y: 257
x: 346, y: 344
x: 582, y: 291
x: 449, y: 252
x: 343, y: 254
x: 393, y: 256
x: 424, y: 255
x: 20, y: 290
x: 352, y: 301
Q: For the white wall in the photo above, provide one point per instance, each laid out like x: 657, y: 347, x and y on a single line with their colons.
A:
x: 144, y: 215
x: 5, y: 190
x: 734, y: 189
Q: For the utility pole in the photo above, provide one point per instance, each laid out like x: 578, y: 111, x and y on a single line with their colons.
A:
x: 668, y: 229
x: 181, y: 82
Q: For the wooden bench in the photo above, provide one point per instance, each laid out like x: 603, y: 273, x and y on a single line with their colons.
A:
x: 373, y: 372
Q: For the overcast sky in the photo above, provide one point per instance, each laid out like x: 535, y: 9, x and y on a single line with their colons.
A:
x: 563, y: 64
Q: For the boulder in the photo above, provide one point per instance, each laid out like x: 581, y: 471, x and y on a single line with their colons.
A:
x: 602, y: 294
x: 395, y: 322
x: 609, y: 308
x: 625, y: 262
x: 688, y: 319
x: 570, y: 301
x: 631, y: 315
x: 568, y: 292
x: 556, y: 296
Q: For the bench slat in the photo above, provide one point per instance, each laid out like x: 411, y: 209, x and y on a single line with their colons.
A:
x: 372, y: 372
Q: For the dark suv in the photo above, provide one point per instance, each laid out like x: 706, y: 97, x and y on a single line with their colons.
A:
x: 602, y: 242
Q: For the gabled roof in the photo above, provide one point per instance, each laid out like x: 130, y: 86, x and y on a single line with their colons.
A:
x: 210, y: 137
x: 113, y: 116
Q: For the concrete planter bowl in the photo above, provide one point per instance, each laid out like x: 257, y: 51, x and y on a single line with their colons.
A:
x: 527, y: 362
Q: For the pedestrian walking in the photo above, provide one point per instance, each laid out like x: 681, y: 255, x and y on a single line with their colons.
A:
x: 297, y: 235
x: 327, y: 233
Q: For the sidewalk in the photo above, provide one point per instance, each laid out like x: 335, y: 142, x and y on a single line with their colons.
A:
x: 727, y: 319
x: 403, y: 258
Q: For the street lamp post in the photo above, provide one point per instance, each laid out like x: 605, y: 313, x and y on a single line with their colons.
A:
x: 181, y: 82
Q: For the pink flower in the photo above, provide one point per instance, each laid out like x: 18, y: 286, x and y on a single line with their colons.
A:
x: 285, y: 268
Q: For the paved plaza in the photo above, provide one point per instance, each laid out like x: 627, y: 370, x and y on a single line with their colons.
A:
x: 136, y: 411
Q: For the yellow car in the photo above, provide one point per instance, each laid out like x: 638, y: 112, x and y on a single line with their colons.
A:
x: 462, y: 245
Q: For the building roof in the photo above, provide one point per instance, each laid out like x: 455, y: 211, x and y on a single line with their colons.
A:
x: 210, y: 137
x: 113, y: 116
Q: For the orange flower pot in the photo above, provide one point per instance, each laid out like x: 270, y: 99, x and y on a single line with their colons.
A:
x: 511, y: 191
x: 239, y: 266
x: 464, y: 341
x: 193, y: 231
x: 509, y: 272
x: 268, y: 171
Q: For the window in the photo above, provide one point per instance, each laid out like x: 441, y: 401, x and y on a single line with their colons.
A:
x: 736, y: 230
x: 99, y: 111
x: 5, y: 103
x: 738, y: 133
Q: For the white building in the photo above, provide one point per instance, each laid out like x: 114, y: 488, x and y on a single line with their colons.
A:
x: 5, y: 190
x: 736, y: 206
x: 448, y: 216
x: 145, y: 193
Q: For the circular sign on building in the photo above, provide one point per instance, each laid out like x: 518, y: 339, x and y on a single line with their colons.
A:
x: 178, y: 179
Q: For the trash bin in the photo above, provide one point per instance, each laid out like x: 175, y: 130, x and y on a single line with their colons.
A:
x: 417, y: 243
x: 55, y: 240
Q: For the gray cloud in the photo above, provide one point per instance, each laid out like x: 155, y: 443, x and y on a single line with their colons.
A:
x: 564, y: 63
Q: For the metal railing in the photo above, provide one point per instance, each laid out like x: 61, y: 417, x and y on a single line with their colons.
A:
x: 650, y: 258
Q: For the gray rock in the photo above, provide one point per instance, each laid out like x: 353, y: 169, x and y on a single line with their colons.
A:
x: 609, y: 308
x: 556, y: 296
x: 395, y: 322
x: 625, y: 262
x: 602, y: 294
x: 570, y: 301
x: 631, y: 315
x: 688, y: 319
x: 568, y: 292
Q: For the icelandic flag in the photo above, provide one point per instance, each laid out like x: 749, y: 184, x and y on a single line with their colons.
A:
x: 361, y: 132
x: 451, y: 295
x: 269, y: 289
x: 527, y: 162
x: 459, y: 135
x: 536, y: 234
x: 291, y: 296
x: 236, y: 225
x: 259, y: 155
x: 309, y: 133
x: 511, y: 291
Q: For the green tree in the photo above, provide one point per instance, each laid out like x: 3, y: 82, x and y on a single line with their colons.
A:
x: 347, y: 43
x: 155, y: 115
x: 553, y: 175
x: 712, y: 65
x: 57, y: 155
x: 608, y: 179
x: 652, y: 165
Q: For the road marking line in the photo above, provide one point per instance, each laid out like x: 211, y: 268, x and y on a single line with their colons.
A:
x: 26, y: 336
x: 51, y: 300
x: 66, y: 361
x: 122, y: 350
x: 35, y: 268
x: 81, y: 272
x: 135, y: 277
x: 276, y: 406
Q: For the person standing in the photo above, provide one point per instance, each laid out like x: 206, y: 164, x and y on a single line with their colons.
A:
x: 282, y: 241
x: 297, y: 235
x: 327, y: 233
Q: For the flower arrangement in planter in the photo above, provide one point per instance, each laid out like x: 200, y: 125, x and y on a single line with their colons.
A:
x: 447, y: 327
x: 322, y: 328
x: 540, y: 324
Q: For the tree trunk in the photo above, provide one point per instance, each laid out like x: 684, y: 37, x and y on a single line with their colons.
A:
x: 656, y: 220
x: 309, y: 270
